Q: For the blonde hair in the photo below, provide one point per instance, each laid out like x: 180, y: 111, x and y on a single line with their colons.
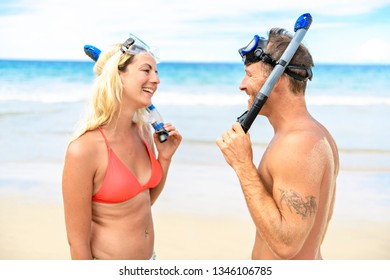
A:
x: 107, y: 93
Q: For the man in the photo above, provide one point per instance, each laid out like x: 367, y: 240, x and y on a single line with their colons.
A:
x: 291, y: 194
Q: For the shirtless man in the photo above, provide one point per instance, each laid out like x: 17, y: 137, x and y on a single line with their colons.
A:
x: 291, y: 194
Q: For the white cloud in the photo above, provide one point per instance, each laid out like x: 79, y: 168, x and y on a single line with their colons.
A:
x: 376, y: 49
x: 195, y: 30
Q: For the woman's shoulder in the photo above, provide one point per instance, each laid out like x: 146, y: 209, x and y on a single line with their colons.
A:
x: 85, y: 145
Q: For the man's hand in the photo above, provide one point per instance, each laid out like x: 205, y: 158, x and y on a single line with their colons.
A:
x: 236, y: 147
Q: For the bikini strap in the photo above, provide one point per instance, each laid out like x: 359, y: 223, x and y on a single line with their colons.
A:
x: 105, y: 138
x: 147, y: 147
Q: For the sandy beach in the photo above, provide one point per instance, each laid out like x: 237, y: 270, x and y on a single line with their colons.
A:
x: 199, y: 226
x: 37, y: 232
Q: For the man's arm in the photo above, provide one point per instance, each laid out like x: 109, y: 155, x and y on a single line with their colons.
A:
x: 285, y: 215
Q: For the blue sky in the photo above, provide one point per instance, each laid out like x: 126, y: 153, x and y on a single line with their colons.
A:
x: 343, y: 31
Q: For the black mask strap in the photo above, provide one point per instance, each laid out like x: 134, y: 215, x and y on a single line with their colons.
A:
x: 289, y: 71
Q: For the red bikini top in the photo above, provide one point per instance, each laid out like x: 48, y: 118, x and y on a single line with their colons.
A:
x: 119, y: 183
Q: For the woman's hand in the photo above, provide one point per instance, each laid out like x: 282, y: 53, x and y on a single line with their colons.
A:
x: 168, y: 148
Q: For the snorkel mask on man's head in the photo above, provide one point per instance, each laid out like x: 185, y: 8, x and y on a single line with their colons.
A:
x: 255, y: 52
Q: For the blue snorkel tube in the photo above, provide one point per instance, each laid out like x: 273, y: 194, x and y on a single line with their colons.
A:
x: 301, y: 26
x: 157, y: 121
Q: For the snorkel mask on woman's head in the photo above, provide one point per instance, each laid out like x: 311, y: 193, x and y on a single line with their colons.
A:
x: 255, y: 52
x: 133, y: 45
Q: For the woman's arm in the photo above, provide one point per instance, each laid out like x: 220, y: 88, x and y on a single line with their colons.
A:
x: 77, y: 189
x: 166, y: 151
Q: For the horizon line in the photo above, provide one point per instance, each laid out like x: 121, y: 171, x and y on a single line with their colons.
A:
x: 191, y: 61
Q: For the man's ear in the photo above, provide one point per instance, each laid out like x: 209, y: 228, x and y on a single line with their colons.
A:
x: 282, y: 83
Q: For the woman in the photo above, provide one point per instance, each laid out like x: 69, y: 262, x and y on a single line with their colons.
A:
x: 111, y: 177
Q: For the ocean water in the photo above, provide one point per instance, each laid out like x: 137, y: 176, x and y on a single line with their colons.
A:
x: 41, y: 102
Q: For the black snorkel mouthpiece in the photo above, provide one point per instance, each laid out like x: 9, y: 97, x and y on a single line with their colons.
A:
x: 254, y: 52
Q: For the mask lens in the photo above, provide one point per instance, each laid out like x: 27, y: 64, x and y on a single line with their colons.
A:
x: 138, y: 43
x: 135, y: 45
x: 250, y: 47
x: 254, y: 51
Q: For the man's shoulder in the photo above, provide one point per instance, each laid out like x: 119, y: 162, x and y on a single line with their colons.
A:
x: 300, y: 136
x: 299, y: 143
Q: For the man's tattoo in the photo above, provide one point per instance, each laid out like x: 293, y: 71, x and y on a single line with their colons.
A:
x: 302, y: 206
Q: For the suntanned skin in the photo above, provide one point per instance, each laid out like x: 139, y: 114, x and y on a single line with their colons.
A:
x: 290, y: 194
x: 119, y: 230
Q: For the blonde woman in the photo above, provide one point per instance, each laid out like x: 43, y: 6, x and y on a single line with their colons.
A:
x: 111, y: 175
